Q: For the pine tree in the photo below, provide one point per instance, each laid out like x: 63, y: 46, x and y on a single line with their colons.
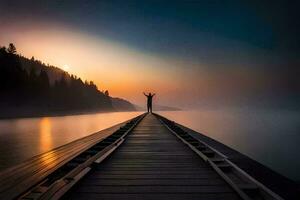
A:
x: 12, y: 49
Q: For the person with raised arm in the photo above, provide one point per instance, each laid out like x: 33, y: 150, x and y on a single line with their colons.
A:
x: 149, y: 101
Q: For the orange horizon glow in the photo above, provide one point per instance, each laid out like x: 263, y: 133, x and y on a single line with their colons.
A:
x: 124, y: 71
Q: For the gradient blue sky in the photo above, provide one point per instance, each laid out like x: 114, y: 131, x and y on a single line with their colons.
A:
x: 224, y: 49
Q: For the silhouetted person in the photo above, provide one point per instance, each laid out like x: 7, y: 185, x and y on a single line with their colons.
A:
x: 149, y: 101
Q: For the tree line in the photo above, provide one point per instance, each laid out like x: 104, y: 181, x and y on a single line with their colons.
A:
x: 31, y: 87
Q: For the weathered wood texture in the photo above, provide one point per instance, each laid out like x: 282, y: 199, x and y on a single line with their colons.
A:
x: 152, y: 164
x: 279, y: 184
x: 17, y: 179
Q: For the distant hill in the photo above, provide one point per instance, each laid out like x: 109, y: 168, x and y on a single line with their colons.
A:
x: 158, y: 108
x: 54, y: 73
x: 165, y: 108
x: 29, y: 87
x: 122, y: 104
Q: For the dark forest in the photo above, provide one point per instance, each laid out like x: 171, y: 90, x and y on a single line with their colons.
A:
x: 25, y: 85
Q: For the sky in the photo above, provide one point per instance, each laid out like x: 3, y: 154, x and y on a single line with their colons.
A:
x: 191, y: 53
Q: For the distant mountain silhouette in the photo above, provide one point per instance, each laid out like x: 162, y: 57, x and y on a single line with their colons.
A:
x: 165, y: 108
x: 29, y: 87
x: 122, y: 104
x: 158, y: 108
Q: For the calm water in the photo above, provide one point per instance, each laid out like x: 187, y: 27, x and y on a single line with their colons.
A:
x: 270, y: 137
x: 21, y: 139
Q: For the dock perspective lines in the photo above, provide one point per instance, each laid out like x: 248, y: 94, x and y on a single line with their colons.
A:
x: 153, y: 164
x: 149, y: 157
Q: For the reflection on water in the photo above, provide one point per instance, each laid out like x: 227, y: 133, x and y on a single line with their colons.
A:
x: 271, y: 137
x: 46, y: 140
x: 21, y: 139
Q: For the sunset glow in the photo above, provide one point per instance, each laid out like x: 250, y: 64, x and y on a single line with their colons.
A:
x: 123, y: 71
x: 194, y: 69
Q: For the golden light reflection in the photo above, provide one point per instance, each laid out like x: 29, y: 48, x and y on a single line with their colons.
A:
x: 46, y: 140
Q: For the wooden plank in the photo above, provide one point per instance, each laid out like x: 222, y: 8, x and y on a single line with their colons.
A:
x: 183, y: 196
x: 156, y: 176
x: 151, y: 172
x: 155, y: 182
x: 142, y: 189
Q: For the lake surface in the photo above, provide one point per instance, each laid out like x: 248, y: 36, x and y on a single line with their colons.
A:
x: 270, y: 137
x: 21, y: 139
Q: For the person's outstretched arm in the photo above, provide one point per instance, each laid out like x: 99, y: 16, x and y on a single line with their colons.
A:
x: 153, y: 94
x: 145, y: 94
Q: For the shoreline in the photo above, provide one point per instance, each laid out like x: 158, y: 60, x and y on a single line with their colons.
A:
x: 58, y: 113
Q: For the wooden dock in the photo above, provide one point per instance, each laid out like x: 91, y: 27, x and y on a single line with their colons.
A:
x: 153, y: 164
x: 148, y: 157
